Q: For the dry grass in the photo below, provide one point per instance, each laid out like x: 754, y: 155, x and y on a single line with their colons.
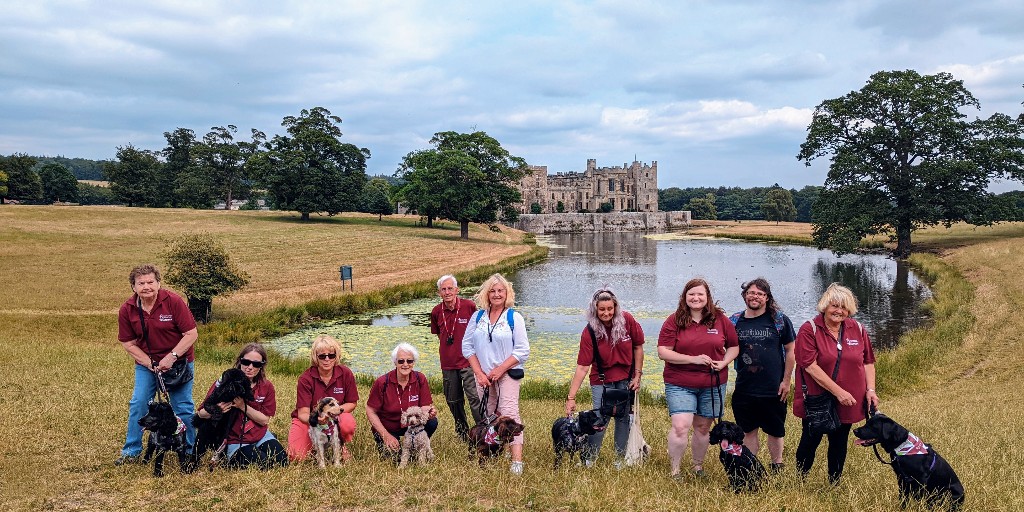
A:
x: 752, y: 227
x: 65, y: 384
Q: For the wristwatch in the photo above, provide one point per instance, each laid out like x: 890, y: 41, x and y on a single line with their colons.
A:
x: 175, y: 354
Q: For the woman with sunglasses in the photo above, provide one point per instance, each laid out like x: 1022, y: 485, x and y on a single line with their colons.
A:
x: 393, y: 393
x: 620, y: 347
x: 326, y: 376
x: 249, y: 440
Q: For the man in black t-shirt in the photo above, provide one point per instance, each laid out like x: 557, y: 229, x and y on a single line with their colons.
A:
x: 764, y: 369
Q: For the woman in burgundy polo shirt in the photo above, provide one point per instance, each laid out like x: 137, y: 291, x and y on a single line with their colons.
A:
x: 249, y: 440
x: 393, y: 393
x: 817, y: 348
x: 620, y: 343
x: 326, y: 376
x: 697, y: 344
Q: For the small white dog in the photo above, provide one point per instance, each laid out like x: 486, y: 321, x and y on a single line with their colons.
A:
x: 324, y: 430
x: 416, y: 441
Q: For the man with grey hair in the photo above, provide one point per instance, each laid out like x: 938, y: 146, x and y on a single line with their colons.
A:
x: 448, y: 321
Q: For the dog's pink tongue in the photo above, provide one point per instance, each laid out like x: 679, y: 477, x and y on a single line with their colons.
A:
x: 860, y: 442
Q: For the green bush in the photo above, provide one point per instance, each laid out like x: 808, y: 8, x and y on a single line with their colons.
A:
x: 200, y: 268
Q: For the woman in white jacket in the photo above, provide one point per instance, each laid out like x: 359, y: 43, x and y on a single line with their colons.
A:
x: 496, y: 346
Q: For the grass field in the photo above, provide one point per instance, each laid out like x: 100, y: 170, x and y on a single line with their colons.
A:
x: 66, y: 381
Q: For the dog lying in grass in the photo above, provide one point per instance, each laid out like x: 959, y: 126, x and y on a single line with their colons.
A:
x: 569, y: 435
x: 921, y: 473
x: 212, y: 432
x: 488, y: 439
x: 166, y: 434
x: 325, y: 432
x: 416, y: 442
x: 744, y: 470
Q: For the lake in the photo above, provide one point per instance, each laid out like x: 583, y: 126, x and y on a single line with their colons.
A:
x: 647, y: 274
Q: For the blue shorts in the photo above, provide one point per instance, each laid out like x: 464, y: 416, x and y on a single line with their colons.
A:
x: 695, y: 400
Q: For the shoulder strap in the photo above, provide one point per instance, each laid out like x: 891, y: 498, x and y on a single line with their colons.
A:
x: 145, y: 334
x: 735, y: 318
x: 511, y: 320
x: 597, y: 355
x: 479, y: 315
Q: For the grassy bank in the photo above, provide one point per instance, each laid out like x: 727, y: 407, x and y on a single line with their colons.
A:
x: 66, y: 381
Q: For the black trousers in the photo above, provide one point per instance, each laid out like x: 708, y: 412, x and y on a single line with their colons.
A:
x: 836, y: 456
x: 265, y: 456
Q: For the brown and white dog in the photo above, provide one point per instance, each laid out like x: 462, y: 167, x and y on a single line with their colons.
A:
x: 488, y: 439
x: 324, y: 430
x: 416, y: 442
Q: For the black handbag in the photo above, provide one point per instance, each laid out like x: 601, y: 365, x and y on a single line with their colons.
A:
x: 614, y: 401
x: 821, y: 412
x: 180, y: 372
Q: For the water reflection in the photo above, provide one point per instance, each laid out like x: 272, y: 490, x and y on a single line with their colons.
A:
x: 648, y: 275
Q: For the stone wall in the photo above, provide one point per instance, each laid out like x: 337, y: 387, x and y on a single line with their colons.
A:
x: 594, y: 222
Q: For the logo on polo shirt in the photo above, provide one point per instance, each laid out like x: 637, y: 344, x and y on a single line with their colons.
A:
x: 339, y: 391
x: 414, y: 398
x: 712, y: 331
x: 463, y: 320
x: 260, y: 399
x: 852, y: 343
x: 166, y: 318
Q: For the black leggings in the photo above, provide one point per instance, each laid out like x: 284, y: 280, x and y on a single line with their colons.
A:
x: 265, y: 456
x: 837, y: 444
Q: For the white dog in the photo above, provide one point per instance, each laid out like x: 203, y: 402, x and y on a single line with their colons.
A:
x: 324, y: 430
x: 416, y: 441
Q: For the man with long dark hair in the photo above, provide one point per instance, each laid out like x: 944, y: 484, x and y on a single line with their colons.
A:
x: 763, y: 369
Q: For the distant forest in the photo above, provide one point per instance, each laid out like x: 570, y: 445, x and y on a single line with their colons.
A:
x: 82, y: 168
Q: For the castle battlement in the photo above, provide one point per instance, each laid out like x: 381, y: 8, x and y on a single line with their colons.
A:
x: 631, y: 187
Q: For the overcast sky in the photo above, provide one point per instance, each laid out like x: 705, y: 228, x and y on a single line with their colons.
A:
x: 718, y: 93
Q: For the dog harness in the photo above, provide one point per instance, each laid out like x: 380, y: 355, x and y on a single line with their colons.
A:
x: 732, y: 448
x: 912, y: 446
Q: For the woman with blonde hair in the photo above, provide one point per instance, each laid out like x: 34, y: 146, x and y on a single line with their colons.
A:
x: 496, y: 346
x: 326, y: 376
x: 834, y: 355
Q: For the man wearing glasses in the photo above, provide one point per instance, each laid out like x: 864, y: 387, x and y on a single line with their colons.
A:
x: 763, y: 369
x: 448, y: 321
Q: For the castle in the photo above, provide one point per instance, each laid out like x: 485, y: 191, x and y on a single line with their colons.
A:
x: 627, y: 188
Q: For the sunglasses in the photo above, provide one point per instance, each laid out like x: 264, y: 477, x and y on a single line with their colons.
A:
x: 254, y: 364
x: 326, y: 356
x: 405, y: 361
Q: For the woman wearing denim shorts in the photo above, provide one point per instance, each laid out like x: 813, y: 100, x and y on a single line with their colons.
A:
x: 697, y: 343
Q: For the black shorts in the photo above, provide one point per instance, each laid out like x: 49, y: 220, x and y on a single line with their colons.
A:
x: 764, y: 412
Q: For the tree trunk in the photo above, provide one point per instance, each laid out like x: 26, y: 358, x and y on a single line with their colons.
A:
x: 227, y: 203
x: 430, y: 221
x: 464, y: 229
x: 903, y: 230
x: 305, y: 215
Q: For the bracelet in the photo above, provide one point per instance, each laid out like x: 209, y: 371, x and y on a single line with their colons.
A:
x: 570, y: 398
x: 871, y: 390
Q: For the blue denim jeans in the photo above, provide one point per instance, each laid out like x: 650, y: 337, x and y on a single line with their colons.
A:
x: 145, y: 390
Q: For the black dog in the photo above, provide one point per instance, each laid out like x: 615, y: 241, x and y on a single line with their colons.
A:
x: 166, y: 434
x: 569, y: 435
x: 744, y: 470
x: 212, y: 432
x: 921, y: 473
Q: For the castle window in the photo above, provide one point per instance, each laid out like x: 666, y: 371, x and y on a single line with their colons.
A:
x: 611, y: 185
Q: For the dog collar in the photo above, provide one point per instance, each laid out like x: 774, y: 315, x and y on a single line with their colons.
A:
x: 732, y: 448
x: 181, y: 426
x: 326, y: 429
x: 491, y: 437
x: 912, y: 446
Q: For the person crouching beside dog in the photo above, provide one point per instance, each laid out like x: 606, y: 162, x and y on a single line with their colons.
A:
x: 393, y: 393
x: 620, y: 346
x: 249, y: 441
x: 326, y: 376
x: 157, y: 329
x: 496, y: 346
x: 852, y: 381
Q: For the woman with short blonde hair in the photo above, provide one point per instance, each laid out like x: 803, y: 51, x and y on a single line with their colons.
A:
x: 326, y: 376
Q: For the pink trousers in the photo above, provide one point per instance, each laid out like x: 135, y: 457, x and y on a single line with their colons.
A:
x: 504, y: 395
x: 299, y: 445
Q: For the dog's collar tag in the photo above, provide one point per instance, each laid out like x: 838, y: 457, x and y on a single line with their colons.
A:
x: 912, y: 446
x: 732, y: 449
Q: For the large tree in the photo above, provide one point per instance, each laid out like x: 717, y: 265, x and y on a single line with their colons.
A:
x: 310, y: 169
x: 778, y: 205
x: 179, y: 182
x: 3, y: 186
x: 466, y: 177
x: 133, y: 176
x: 22, y: 181
x: 59, y: 184
x: 903, y: 156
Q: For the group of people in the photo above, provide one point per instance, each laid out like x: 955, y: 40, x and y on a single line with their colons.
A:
x: 483, y: 346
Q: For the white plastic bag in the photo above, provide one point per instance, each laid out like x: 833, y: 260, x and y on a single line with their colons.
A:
x: 637, y: 449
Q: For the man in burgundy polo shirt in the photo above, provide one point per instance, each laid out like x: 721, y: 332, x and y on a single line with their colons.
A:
x: 170, y: 333
x: 448, y: 321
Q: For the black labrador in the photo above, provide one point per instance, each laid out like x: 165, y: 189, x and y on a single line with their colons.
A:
x: 921, y: 473
x: 212, y: 432
x: 744, y: 470
x: 166, y: 434
x: 569, y: 435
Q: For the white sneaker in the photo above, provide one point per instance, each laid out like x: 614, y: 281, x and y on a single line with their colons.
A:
x: 517, y: 467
